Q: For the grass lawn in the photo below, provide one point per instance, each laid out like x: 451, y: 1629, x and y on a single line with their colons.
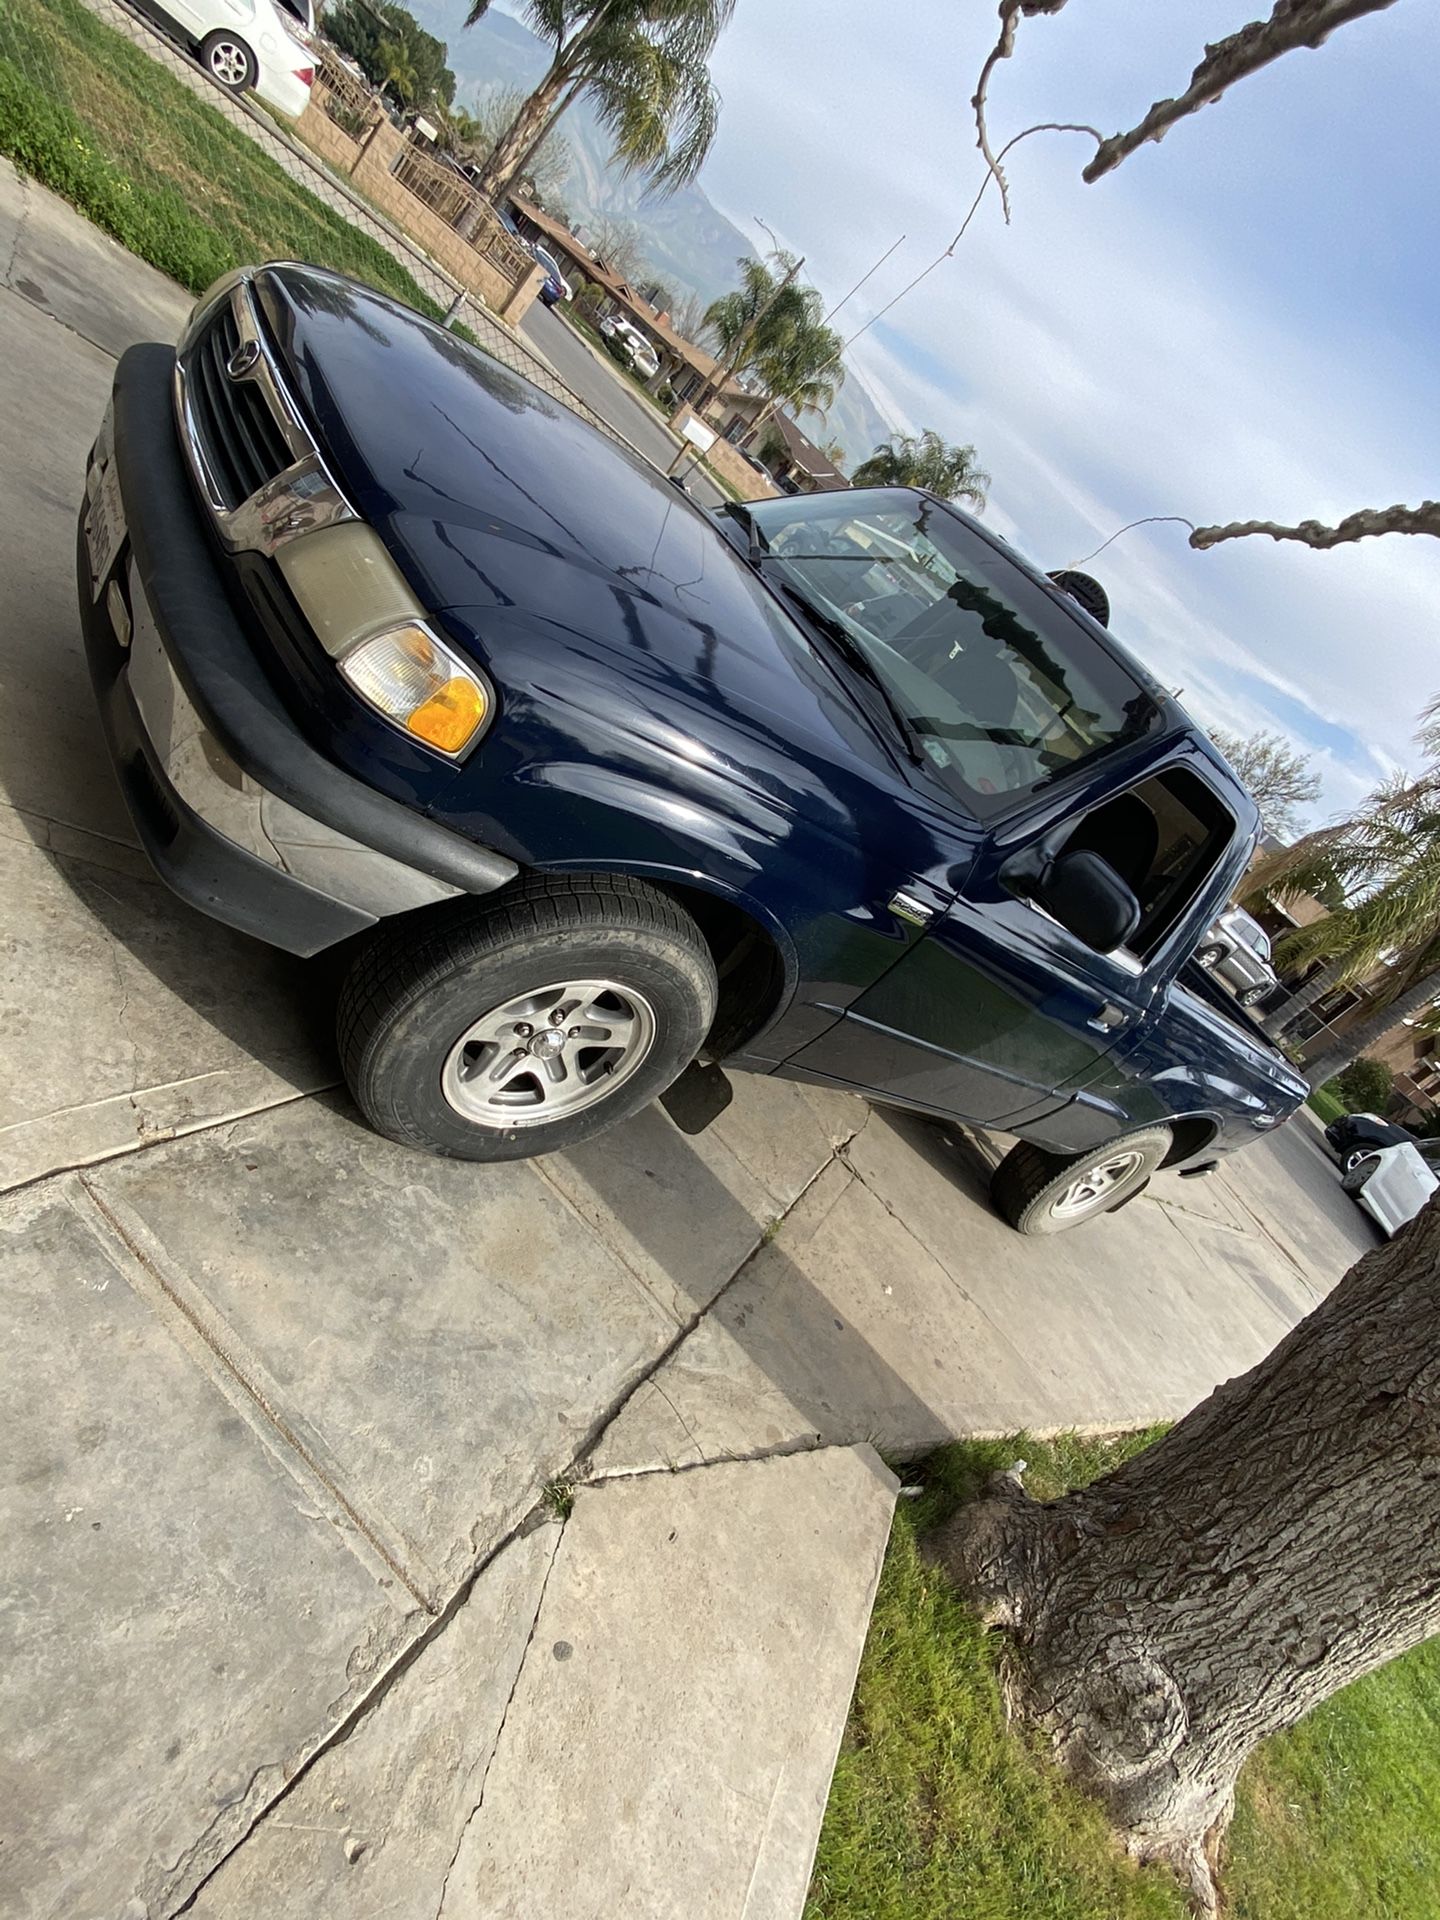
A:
x: 939, y: 1812
x: 100, y: 122
x: 1323, y: 1102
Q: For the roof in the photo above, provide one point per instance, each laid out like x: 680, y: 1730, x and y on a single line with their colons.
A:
x: 804, y: 454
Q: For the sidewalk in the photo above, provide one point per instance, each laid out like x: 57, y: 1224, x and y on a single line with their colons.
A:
x: 289, y: 1613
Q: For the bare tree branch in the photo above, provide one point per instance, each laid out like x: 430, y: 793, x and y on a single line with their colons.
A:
x: 1311, y: 533
x: 1010, y: 12
x: 1150, y: 520
x: 1292, y: 24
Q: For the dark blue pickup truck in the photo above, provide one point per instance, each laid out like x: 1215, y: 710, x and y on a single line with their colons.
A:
x: 599, y: 790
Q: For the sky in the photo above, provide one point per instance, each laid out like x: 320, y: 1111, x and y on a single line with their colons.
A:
x: 1241, y: 322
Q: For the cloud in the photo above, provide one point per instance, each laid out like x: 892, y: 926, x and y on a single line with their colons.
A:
x: 1185, y: 338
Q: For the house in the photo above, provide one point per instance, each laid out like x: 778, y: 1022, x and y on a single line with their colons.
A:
x: 797, y: 464
x: 1412, y: 1056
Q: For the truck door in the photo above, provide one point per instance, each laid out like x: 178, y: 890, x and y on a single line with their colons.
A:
x: 998, y: 1006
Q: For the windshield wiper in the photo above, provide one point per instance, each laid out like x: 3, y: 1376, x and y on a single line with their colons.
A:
x: 757, y: 547
x: 845, y: 644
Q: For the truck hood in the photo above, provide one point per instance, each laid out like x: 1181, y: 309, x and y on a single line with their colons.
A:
x: 550, y: 550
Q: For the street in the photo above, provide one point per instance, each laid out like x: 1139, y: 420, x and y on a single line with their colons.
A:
x: 297, y: 1415
x: 611, y: 395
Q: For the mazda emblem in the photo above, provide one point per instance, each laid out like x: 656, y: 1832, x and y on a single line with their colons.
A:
x: 243, y: 359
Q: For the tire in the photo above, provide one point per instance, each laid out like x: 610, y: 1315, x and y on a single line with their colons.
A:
x: 1209, y: 956
x: 226, y: 58
x: 439, y: 1053
x: 1252, y: 996
x: 1030, y: 1186
x: 1358, y: 1168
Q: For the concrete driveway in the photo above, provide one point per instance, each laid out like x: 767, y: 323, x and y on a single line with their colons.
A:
x: 280, y: 1391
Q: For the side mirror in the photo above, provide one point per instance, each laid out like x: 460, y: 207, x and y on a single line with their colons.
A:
x: 1086, y: 895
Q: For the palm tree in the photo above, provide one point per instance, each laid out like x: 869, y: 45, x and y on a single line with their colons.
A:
x: 460, y: 131
x: 644, y: 65
x: 397, y: 63
x: 773, y: 326
x: 1383, y: 866
x: 924, y: 460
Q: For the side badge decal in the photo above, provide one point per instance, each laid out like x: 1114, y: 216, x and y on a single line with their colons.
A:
x: 906, y: 907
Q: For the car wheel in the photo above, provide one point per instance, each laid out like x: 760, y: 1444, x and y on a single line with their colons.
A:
x: 227, y: 59
x: 1045, y: 1193
x: 526, y: 1026
x: 1358, y: 1169
x: 1252, y: 996
x: 1210, y: 956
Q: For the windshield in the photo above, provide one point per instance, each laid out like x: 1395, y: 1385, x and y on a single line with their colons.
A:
x: 1003, y: 689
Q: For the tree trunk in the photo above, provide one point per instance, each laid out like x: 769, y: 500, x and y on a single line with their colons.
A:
x: 1278, y: 1543
x: 1348, y: 1046
x: 1291, y: 1008
x: 561, y: 106
x: 526, y: 130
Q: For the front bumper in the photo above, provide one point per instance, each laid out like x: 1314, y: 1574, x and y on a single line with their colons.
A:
x: 236, y: 810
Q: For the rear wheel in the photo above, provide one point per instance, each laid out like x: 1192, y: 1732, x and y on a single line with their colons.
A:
x: 1210, y: 956
x: 1045, y: 1193
x: 226, y: 56
x: 527, y: 1026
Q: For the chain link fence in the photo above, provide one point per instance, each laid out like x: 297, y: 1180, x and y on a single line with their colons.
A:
x: 112, y: 110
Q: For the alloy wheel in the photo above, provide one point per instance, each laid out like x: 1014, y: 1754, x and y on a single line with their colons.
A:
x: 1098, y: 1186
x: 548, y: 1054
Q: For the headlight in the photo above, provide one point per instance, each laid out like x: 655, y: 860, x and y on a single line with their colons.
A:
x: 366, y: 618
x: 414, y: 680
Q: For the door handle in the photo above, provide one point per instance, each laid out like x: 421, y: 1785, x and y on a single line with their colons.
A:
x: 1108, y: 1019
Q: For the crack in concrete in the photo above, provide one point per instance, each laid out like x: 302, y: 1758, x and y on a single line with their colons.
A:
x: 470, y: 1818
x: 684, y: 1424
x: 362, y: 1709
x: 158, y: 1138
x: 535, y: 1516
x: 26, y: 204
x: 646, y: 1375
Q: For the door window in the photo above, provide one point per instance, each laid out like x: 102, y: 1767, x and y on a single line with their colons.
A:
x: 1164, y: 838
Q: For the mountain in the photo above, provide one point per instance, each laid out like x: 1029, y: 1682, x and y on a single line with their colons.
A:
x: 688, y: 243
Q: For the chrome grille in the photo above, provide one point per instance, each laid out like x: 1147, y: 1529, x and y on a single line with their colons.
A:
x: 239, y: 436
x: 254, y: 459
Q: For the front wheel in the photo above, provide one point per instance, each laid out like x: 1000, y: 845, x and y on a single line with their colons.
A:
x: 1358, y: 1168
x: 226, y: 56
x: 529, y: 1025
x: 1252, y: 996
x: 1045, y: 1193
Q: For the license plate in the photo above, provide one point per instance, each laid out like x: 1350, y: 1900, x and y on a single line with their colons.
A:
x: 104, y: 523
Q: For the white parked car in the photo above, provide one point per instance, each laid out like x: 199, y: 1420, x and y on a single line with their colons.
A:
x: 252, y: 43
x: 629, y: 344
x: 1392, y: 1184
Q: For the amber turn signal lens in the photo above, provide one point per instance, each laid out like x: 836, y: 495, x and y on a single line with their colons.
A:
x: 420, y: 685
x: 448, y: 718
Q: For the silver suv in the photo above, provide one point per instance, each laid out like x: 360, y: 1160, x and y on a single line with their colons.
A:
x: 1237, y: 949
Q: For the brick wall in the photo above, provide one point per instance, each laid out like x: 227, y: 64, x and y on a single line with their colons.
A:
x: 370, y: 163
x: 725, y: 460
